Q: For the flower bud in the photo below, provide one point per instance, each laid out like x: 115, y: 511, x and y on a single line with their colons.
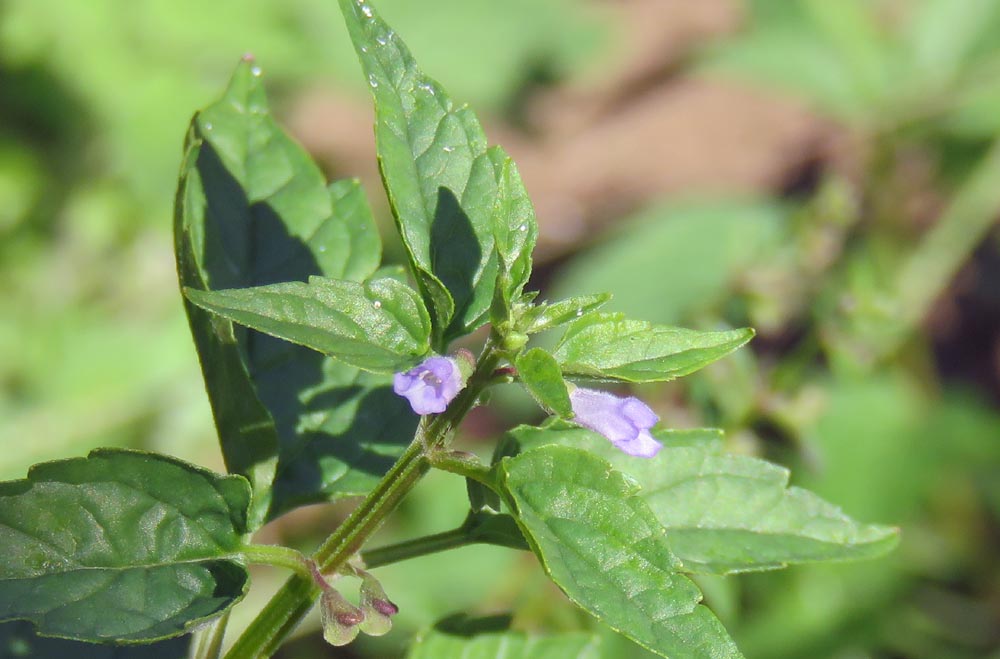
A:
x: 378, y: 609
x: 341, y: 620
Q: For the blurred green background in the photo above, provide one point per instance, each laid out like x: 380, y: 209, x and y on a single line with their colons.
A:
x: 827, y: 171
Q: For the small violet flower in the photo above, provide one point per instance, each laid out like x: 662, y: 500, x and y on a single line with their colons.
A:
x: 625, y: 421
x: 431, y: 385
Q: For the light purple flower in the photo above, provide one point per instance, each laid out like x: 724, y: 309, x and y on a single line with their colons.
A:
x: 625, y: 421
x: 430, y: 386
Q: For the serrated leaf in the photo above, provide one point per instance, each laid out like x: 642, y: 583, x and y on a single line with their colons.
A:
x: 515, y: 231
x: 440, y: 180
x: 602, y: 545
x: 121, y: 546
x: 252, y: 209
x: 459, y: 637
x: 380, y: 325
x: 540, y: 374
x: 609, y: 346
x: 728, y: 513
x: 546, y: 316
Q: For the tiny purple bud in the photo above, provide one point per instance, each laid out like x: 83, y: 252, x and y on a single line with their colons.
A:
x: 377, y: 607
x: 341, y: 620
x: 624, y: 421
x: 431, y: 385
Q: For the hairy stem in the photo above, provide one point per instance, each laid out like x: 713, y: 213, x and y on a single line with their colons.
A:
x: 430, y: 544
x: 291, y: 603
x: 209, y: 640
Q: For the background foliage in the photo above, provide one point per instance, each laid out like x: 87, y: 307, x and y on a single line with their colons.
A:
x: 826, y: 172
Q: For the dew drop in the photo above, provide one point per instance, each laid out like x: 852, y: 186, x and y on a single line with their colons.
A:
x: 381, y: 40
x: 449, y: 149
x: 364, y: 49
x: 373, y: 81
x: 427, y: 87
x: 523, y: 227
x: 322, y: 248
x: 208, y: 125
x: 255, y: 71
x: 377, y: 304
x: 579, y: 312
x: 366, y: 10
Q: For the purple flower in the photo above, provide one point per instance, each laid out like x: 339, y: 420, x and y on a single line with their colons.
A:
x: 625, y: 421
x: 429, y: 386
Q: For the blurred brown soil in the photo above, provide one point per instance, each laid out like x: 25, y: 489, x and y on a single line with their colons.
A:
x: 594, y: 149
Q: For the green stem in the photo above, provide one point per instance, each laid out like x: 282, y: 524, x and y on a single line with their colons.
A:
x: 463, y: 464
x: 209, y: 644
x: 933, y: 265
x: 277, y: 556
x: 417, y: 547
x: 291, y: 603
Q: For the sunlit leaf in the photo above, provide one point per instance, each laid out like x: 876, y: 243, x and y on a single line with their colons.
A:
x: 609, y: 346
x: 603, y: 546
x: 728, y: 513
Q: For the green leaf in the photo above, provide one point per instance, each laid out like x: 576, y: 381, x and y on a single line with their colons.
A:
x: 515, y: 231
x: 252, y: 209
x: 608, y: 346
x: 728, y: 513
x: 441, y: 181
x: 340, y: 438
x: 540, y: 373
x: 459, y: 637
x: 546, y: 316
x: 19, y: 641
x: 121, y: 546
x: 602, y: 545
x: 380, y: 325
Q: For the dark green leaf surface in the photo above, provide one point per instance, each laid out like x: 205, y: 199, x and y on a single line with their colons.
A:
x: 379, y: 326
x: 489, y: 638
x: 515, y: 231
x: 120, y: 545
x: 546, y: 316
x: 728, y: 513
x: 19, y: 641
x: 253, y: 209
x: 602, y: 545
x: 440, y: 180
x: 609, y: 346
x: 540, y: 373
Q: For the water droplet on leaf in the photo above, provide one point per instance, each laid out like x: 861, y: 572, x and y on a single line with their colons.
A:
x: 377, y: 304
x: 255, y: 71
x: 366, y: 10
x: 373, y: 81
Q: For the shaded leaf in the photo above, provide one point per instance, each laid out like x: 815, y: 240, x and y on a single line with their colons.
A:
x: 540, y: 374
x: 379, y: 326
x: 608, y: 346
x: 253, y: 209
x: 440, y: 180
x: 602, y: 545
x: 460, y: 637
x: 18, y: 640
x: 728, y: 513
x: 121, y: 545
